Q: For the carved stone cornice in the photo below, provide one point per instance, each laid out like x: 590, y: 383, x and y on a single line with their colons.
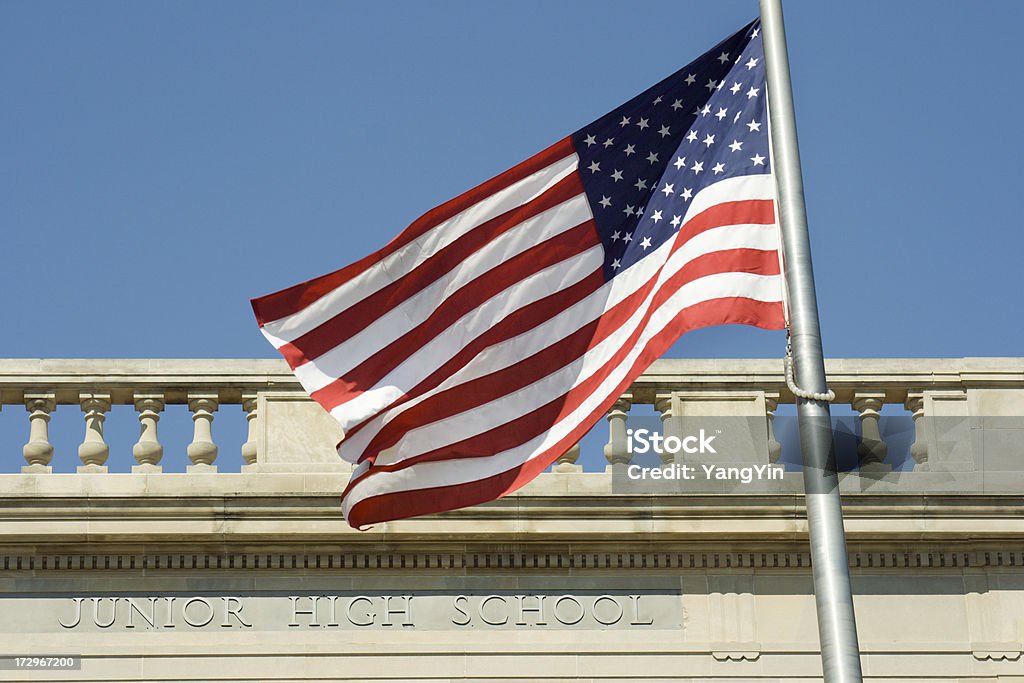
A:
x: 574, y: 509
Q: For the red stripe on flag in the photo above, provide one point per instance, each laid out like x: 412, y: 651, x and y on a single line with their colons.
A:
x: 405, y: 504
x: 289, y: 301
x: 748, y: 211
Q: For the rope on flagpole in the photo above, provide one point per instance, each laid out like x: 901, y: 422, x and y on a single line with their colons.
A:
x: 791, y: 382
x: 788, y: 360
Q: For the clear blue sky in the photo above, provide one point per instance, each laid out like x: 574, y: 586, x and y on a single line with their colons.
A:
x: 162, y: 163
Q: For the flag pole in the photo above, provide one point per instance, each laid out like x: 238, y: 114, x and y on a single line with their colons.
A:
x: 837, y: 629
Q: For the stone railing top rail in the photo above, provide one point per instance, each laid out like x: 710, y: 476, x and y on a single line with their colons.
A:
x: 233, y: 377
x: 120, y: 377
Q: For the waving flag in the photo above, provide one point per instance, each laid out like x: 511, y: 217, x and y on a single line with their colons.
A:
x: 477, y: 347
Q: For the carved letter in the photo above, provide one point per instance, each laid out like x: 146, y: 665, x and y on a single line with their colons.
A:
x: 170, y: 612
x: 296, y: 611
x: 201, y: 601
x: 150, y: 618
x: 483, y: 604
x: 406, y: 611
x: 235, y: 612
x: 78, y: 614
x: 460, y: 610
x: 334, y: 611
x: 96, y: 611
x: 370, y: 614
x: 579, y: 607
x: 538, y: 610
x: 636, y: 613
x: 617, y: 607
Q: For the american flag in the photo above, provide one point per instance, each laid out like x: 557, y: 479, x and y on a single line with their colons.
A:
x: 484, y: 341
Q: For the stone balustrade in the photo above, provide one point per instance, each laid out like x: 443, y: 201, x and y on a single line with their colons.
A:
x: 180, y: 567
x: 150, y: 386
x: 286, y: 432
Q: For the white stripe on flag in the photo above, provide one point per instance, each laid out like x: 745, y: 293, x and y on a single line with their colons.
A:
x: 738, y: 188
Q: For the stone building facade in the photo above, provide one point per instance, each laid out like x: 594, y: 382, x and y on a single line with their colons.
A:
x: 205, y: 575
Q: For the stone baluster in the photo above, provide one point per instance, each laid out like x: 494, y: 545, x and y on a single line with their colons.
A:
x: 771, y: 402
x: 669, y: 425
x: 148, y: 450
x: 919, y: 449
x: 94, y: 450
x: 250, y: 450
x: 39, y: 451
x: 616, y: 450
x: 567, y: 462
x: 202, y: 451
x: 871, y: 449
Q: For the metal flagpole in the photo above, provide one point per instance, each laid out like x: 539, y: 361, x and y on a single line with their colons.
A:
x: 837, y: 629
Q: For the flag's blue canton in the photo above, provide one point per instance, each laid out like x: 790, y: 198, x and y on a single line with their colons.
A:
x: 643, y: 163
